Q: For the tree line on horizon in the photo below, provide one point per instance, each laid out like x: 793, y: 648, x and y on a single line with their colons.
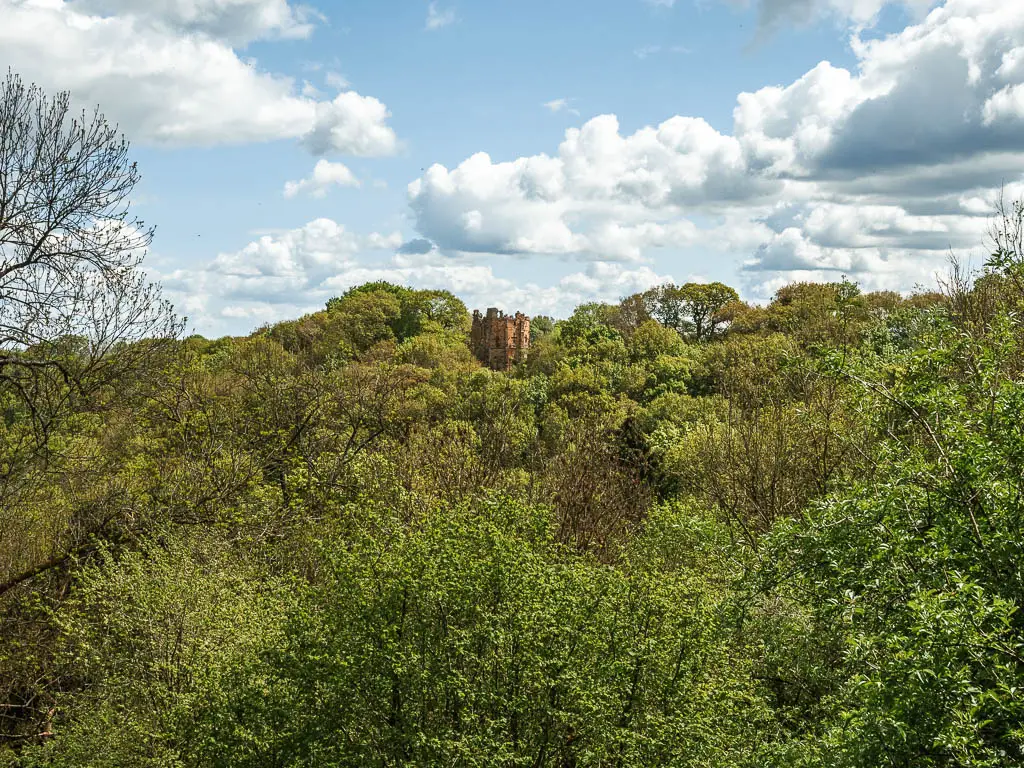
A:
x: 686, y: 531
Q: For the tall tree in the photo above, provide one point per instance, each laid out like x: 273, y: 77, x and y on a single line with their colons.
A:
x: 76, y: 311
x: 693, y: 309
x: 703, y: 303
x: 71, y: 290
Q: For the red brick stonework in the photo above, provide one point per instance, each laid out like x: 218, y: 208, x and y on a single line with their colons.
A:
x: 499, y: 341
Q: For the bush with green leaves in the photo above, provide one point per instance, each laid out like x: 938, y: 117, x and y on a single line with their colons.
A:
x: 471, y: 637
x: 911, y: 584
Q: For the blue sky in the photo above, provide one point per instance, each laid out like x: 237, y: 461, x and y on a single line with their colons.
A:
x: 290, y: 150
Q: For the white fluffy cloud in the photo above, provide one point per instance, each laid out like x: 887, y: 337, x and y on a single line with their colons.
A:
x: 602, y: 195
x: 168, y: 74
x: 325, y: 175
x: 273, y: 277
x: 288, y: 273
x: 239, y: 21
x: 877, y: 172
x: 357, y: 123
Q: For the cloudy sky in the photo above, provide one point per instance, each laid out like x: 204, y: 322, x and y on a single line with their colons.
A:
x: 533, y: 155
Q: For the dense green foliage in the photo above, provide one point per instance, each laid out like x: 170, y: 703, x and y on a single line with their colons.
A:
x: 685, y: 531
x: 780, y: 535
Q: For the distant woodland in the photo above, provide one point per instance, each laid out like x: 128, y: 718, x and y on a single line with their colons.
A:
x: 685, y: 531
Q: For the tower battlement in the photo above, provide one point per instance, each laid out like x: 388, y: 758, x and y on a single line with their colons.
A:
x: 499, y: 340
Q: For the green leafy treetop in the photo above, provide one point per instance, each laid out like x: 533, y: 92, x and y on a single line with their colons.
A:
x: 688, y: 531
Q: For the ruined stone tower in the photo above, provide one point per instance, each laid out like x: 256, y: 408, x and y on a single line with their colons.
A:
x: 499, y: 341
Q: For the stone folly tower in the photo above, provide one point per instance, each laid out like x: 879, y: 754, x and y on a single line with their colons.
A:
x: 498, y: 340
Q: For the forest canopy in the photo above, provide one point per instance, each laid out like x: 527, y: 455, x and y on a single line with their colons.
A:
x: 686, y: 530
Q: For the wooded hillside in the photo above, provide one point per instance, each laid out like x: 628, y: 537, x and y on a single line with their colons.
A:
x: 687, y: 531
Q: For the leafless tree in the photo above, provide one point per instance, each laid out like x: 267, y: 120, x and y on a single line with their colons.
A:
x: 79, y: 321
x: 74, y: 302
